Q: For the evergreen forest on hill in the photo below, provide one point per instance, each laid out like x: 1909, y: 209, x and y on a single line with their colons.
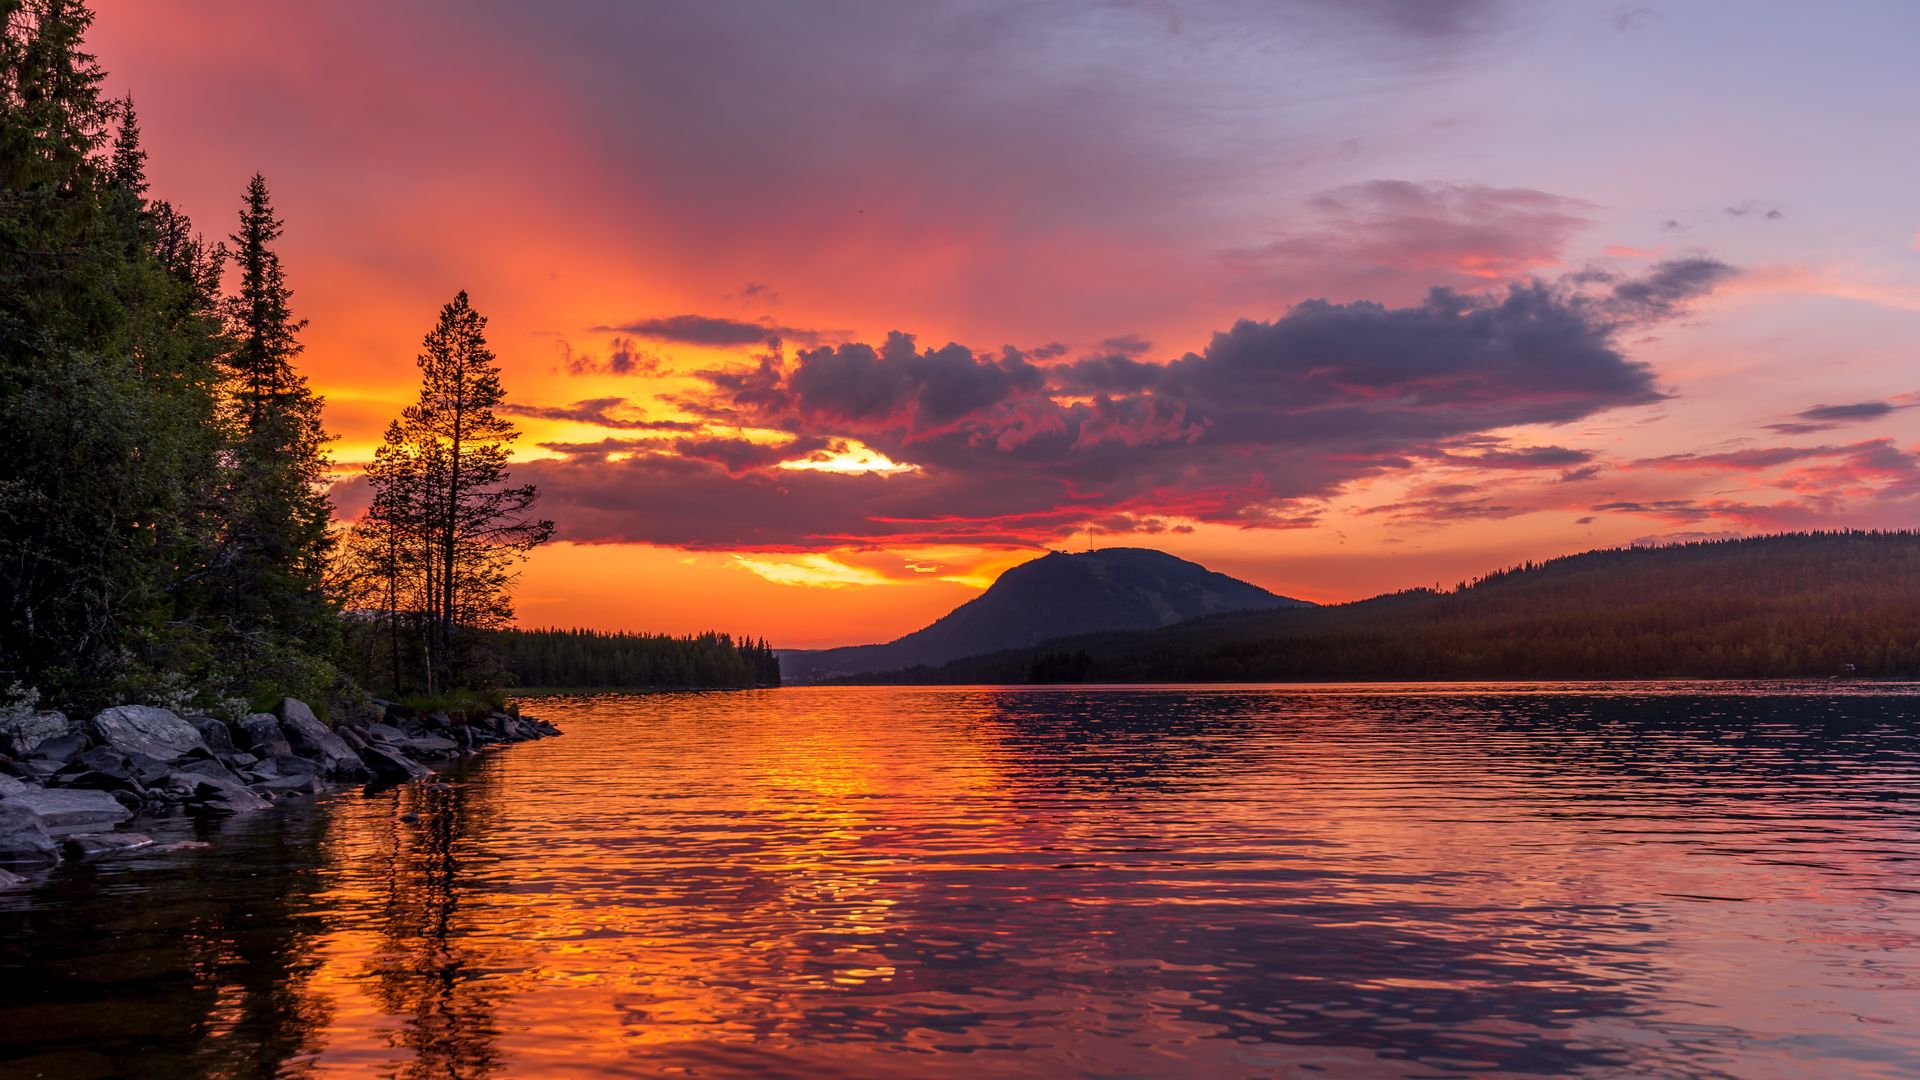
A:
x: 1798, y: 605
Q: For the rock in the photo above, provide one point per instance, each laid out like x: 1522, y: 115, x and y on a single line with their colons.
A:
x: 215, y: 733
x: 20, y: 736
x: 9, y: 785
x: 240, y: 759
x: 134, y: 802
x: 312, y: 739
x: 219, y: 794
x: 102, y: 769
x: 143, y: 729
x: 65, y: 811
x: 281, y: 786
x: 37, y: 770
x: 385, y: 733
x: 11, y: 880
x: 207, y: 768
x: 94, y: 845
x: 23, y: 839
x: 292, y: 765
x: 352, y: 738
x: 263, y: 735
x: 428, y: 746
x: 390, y: 767
x: 62, y: 747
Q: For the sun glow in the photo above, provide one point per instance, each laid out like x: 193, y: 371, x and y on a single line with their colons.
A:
x: 851, y: 458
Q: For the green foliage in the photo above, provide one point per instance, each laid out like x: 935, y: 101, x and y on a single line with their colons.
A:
x: 591, y: 659
x: 131, y: 501
x: 1803, y: 605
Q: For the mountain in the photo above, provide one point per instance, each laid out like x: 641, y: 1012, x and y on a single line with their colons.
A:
x: 1795, y: 605
x: 1053, y: 596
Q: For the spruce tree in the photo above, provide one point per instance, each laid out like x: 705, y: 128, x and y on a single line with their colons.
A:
x: 271, y: 596
x: 476, y: 525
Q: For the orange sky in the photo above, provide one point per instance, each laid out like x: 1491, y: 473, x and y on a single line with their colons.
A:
x: 1686, y: 306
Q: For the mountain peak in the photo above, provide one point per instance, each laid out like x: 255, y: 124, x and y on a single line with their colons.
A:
x: 1058, y: 594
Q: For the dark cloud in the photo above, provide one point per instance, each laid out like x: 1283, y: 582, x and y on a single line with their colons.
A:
x: 607, y: 412
x: 1127, y: 345
x: 1254, y: 430
x: 1665, y: 289
x: 1755, y: 209
x: 711, y: 331
x: 623, y: 358
x: 1864, y: 410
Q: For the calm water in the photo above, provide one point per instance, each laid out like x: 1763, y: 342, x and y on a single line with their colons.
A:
x: 1649, y: 881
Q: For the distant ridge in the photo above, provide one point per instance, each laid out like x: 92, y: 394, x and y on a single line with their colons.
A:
x: 1053, y: 596
x: 1793, y: 605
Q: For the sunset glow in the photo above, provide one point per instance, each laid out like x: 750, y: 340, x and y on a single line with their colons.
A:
x: 804, y: 332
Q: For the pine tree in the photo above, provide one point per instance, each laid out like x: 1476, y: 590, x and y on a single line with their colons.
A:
x: 272, y: 568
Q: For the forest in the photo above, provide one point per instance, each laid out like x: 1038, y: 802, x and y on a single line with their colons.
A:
x: 1797, y: 605
x: 166, y: 532
x: 590, y: 659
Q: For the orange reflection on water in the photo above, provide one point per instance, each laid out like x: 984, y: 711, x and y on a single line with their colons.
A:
x: 1160, y: 882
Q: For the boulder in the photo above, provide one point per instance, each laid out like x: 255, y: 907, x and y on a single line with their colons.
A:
x: 263, y: 736
x: 294, y: 765
x: 21, y: 735
x: 143, y: 729
x: 390, y: 767
x: 385, y: 733
x: 65, y: 811
x: 221, y: 794
x: 62, y: 747
x: 23, y: 839
x: 102, y: 769
x: 312, y: 739
x: 428, y: 746
x: 10, y: 880
x: 217, y: 735
x: 282, y: 786
x: 352, y: 738
x: 94, y: 845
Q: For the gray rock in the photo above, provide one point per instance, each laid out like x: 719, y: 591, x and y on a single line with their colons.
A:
x: 263, y: 736
x: 282, y: 786
x: 23, y: 839
x: 217, y: 735
x: 143, y: 729
x: 312, y: 739
x: 240, y: 759
x: 9, y: 785
x: 102, y: 769
x: 428, y: 746
x: 94, y: 845
x: 352, y: 738
x: 294, y: 765
x: 20, y: 736
x: 385, y: 733
x: 218, y: 794
x: 62, y: 747
x: 10, y: 880
x: 390, y: 767
x: 65, y: 811
x: 37, y: 770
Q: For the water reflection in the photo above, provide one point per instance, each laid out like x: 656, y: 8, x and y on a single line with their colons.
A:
x: 1678, y: 881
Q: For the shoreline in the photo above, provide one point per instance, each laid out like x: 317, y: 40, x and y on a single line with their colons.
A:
x: 79, y: 790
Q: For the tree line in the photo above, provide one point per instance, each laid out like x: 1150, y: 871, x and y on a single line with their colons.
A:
x: 166, y: 531
x: 1796, y: 605
x: 590, y: 659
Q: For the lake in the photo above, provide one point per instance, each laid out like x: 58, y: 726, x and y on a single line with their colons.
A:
x: 1669, y: 880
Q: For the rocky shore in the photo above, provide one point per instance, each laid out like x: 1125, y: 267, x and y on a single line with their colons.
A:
x: 77, y: 790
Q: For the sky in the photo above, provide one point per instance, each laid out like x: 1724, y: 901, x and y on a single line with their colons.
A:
x: 816, y: 316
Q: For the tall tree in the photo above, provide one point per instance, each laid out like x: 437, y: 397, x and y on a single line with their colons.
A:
x: 273, y: 565
x: 446, y: 527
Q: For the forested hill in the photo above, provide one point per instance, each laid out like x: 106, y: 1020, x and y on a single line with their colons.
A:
x: 1057, y: 594
x: 1786, y: 606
